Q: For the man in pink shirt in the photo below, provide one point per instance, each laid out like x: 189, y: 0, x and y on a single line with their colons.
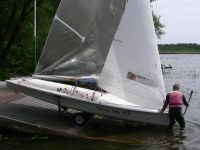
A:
x: 175, y: 99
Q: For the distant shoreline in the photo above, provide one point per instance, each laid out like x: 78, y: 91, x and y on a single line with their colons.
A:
x: 179, y: 48
x: 178, y: 53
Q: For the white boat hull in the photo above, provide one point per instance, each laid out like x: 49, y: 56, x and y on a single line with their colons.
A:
x: 98, y: 104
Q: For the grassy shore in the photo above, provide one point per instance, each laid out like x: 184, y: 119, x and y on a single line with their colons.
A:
x: 179, y: 49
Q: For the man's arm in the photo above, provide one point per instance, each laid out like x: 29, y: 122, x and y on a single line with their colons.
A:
x: 166, y: 103
x: 185, y: 101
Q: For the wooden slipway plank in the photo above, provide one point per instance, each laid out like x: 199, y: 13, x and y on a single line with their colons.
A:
x: 37, y: 113
x: 7, y: 95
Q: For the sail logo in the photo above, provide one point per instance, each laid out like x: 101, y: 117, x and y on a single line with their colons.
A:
x: 131, y: 76
x: 140, y: 79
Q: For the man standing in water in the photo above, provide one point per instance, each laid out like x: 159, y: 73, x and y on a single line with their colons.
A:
x: 175, y: 100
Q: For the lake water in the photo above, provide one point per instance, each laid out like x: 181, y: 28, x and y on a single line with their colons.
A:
x: 186, y: 71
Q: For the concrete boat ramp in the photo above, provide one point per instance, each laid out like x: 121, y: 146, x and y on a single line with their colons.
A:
x: 25, y: 113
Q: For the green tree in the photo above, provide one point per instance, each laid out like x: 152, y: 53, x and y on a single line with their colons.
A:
x: 158, y: 25
x: 15, y: 16
x: 16, y: 33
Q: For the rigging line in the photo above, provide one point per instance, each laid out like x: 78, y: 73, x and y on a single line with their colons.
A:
x: 70, y: 28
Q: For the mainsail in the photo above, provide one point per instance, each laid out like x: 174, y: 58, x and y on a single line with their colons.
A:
x: 132, y: 69
x: 80, y: 37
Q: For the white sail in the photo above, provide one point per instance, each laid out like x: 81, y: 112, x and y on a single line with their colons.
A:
x: 80, y: 38
x: 132, y: 70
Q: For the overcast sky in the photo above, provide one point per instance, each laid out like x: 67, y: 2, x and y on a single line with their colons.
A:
x: 181, y: 19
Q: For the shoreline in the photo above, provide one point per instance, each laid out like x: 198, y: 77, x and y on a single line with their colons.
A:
x: 179, y: 48
x: 179, y: 53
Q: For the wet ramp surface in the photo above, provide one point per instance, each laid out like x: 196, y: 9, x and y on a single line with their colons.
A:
x: 30, y: 113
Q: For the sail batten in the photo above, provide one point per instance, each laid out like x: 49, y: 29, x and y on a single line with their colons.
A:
x: 132, y: 69
x: 73, y: 30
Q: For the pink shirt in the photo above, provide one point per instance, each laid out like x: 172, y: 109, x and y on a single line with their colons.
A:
x: 175, y: 99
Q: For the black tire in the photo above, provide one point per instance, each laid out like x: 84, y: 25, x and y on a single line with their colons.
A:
x: 80, y: 119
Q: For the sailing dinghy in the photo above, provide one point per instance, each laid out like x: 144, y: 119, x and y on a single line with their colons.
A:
x: 112, y: 41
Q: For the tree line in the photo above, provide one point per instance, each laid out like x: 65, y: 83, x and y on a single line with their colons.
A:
x: 180, y: 48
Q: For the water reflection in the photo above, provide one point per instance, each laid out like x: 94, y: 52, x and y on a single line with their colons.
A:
x: 137, y: 137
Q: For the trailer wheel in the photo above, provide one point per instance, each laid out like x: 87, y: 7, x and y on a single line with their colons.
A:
x: 79, y: 119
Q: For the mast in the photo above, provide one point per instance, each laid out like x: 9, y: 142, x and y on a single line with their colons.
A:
x: 35, y: 34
